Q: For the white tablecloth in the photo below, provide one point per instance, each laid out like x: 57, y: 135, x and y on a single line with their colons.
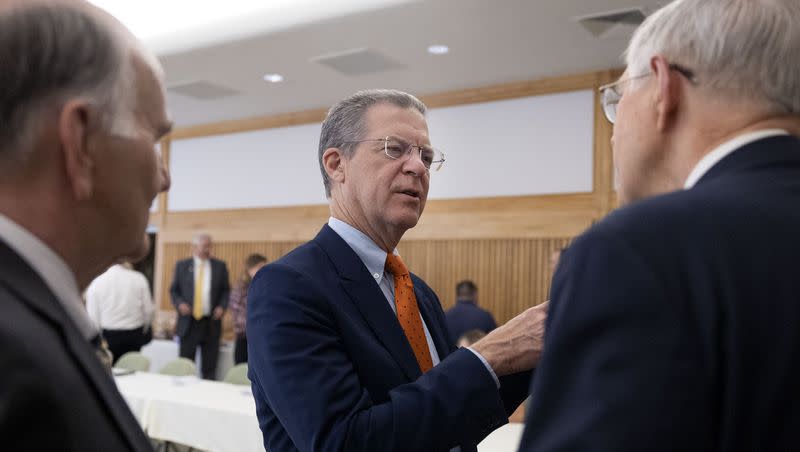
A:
x: 504, y: 439
x: 161, y: 351
x: 220, y: 417
x: 207, y: 415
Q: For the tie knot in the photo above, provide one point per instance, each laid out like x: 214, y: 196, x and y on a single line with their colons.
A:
x: 395, y: 265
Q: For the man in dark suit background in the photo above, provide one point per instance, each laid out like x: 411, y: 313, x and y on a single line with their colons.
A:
x: 347, y: 349
x: 466, y: 315
x: 199, y: 291
x: 81, y: 111
x: 675, y: 322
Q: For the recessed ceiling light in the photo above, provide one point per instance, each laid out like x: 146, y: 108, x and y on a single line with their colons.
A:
x: 438, y: 49
x: 273, y: 78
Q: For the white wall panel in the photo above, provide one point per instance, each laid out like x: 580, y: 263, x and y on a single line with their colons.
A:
x: 266, y: 168
x: 528, y: 146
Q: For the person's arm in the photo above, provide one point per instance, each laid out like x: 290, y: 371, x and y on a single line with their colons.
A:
x: 147, y: 301
x: 621, y: 369
x: 225, y: 292
x: 175, y: 288
x: 236, y: 305
x: 93, y: 305
x: 299, y: 363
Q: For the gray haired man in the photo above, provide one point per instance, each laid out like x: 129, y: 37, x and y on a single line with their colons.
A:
x: 675, y: 322
x: 81, y: 110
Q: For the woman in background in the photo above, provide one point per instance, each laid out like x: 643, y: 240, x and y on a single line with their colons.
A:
x: 238, y: 305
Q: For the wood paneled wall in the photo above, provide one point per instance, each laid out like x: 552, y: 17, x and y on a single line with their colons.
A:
x: 503, y: 244
x: 511, y: 274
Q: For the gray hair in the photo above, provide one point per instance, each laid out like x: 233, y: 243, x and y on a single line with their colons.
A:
x: 200, y: 237
x: 738, y: 49
x: 345, y: 121
x: 50, y: 53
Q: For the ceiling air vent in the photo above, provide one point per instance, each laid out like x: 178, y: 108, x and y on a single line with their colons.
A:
x: 612, y: 24
x: 357, y: 62
x: 201, y: 89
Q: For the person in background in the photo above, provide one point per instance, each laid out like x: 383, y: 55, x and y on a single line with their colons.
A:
x: 120, y: 304
x: 238, y: 305
x: 675, y: 320
x: 200, y: 291
x: 81, y: 112
x: 470, y: 337
x: 466, y: 315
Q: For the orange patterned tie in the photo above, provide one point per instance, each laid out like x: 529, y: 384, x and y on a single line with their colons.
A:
x: 408, y: 311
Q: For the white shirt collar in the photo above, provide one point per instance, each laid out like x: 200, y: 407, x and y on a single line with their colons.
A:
x: 373, y: 256
x: 723, y: 150
x: 52, y: 269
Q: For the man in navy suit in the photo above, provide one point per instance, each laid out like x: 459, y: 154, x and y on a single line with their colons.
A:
x: 81, y: 112
x: 675, y: 322
x: 348, y: 350
x: 466, y: 315
x: 199, y: 292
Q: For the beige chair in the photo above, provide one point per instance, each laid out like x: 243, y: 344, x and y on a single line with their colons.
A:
x: 133, y: 361
x: 180, y: 367
x: 237, y: 375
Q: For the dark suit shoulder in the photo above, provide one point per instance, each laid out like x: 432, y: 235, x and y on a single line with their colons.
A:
x: 307, y: 258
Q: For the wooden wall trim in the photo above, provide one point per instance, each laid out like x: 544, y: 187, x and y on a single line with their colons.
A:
x: 550, y: 85
x: 603, y: 171
x: 482, y: 218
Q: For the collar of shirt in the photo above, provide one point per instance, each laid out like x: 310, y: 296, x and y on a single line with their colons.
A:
x: 52, y: 269
x: 725, y: 149
x: 373, y: 256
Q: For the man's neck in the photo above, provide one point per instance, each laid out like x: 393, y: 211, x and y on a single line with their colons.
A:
x: 386, y: 238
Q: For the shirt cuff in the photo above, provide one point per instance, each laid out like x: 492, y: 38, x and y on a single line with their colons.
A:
x: 488, y: 367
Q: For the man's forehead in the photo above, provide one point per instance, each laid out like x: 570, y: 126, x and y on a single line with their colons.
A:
x: 392, y: 120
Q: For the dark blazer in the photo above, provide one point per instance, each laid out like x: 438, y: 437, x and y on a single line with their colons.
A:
x: 675, y: 322
x: 466, y: 316
x: 54, y: 393
x: 331, y: 369
x: 182, y: 291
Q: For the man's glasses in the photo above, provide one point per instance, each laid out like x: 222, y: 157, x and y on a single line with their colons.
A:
x: 611, y: 94
x: 395, y: 148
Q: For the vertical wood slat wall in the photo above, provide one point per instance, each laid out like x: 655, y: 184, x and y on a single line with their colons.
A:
x: 511, y: 274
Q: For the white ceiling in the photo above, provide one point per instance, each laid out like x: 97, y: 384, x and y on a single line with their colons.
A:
x: 490, y: 42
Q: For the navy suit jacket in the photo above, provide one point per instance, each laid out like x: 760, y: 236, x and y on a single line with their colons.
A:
x: 675, y: 322
x: 331, y: 369
x: 465, y: 316
x: 182, y: 291
x: 54, y: 393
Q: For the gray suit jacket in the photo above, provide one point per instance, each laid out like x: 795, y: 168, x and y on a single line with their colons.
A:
x: 54, y: 393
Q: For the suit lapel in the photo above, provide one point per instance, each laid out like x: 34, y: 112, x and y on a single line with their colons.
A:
x: 369, y: 300
x: 427, y: 309
x: 23, y: 280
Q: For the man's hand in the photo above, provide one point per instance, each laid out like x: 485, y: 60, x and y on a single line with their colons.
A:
x: 517, y: 345
x: 218, y: 311
x: 184, y: 309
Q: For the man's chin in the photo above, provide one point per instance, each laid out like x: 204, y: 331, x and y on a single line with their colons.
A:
x: 140, y: 252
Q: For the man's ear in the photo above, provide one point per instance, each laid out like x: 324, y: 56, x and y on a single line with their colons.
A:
x: 334, y: 163
x: 75, y: 125
x: 668, y: 94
